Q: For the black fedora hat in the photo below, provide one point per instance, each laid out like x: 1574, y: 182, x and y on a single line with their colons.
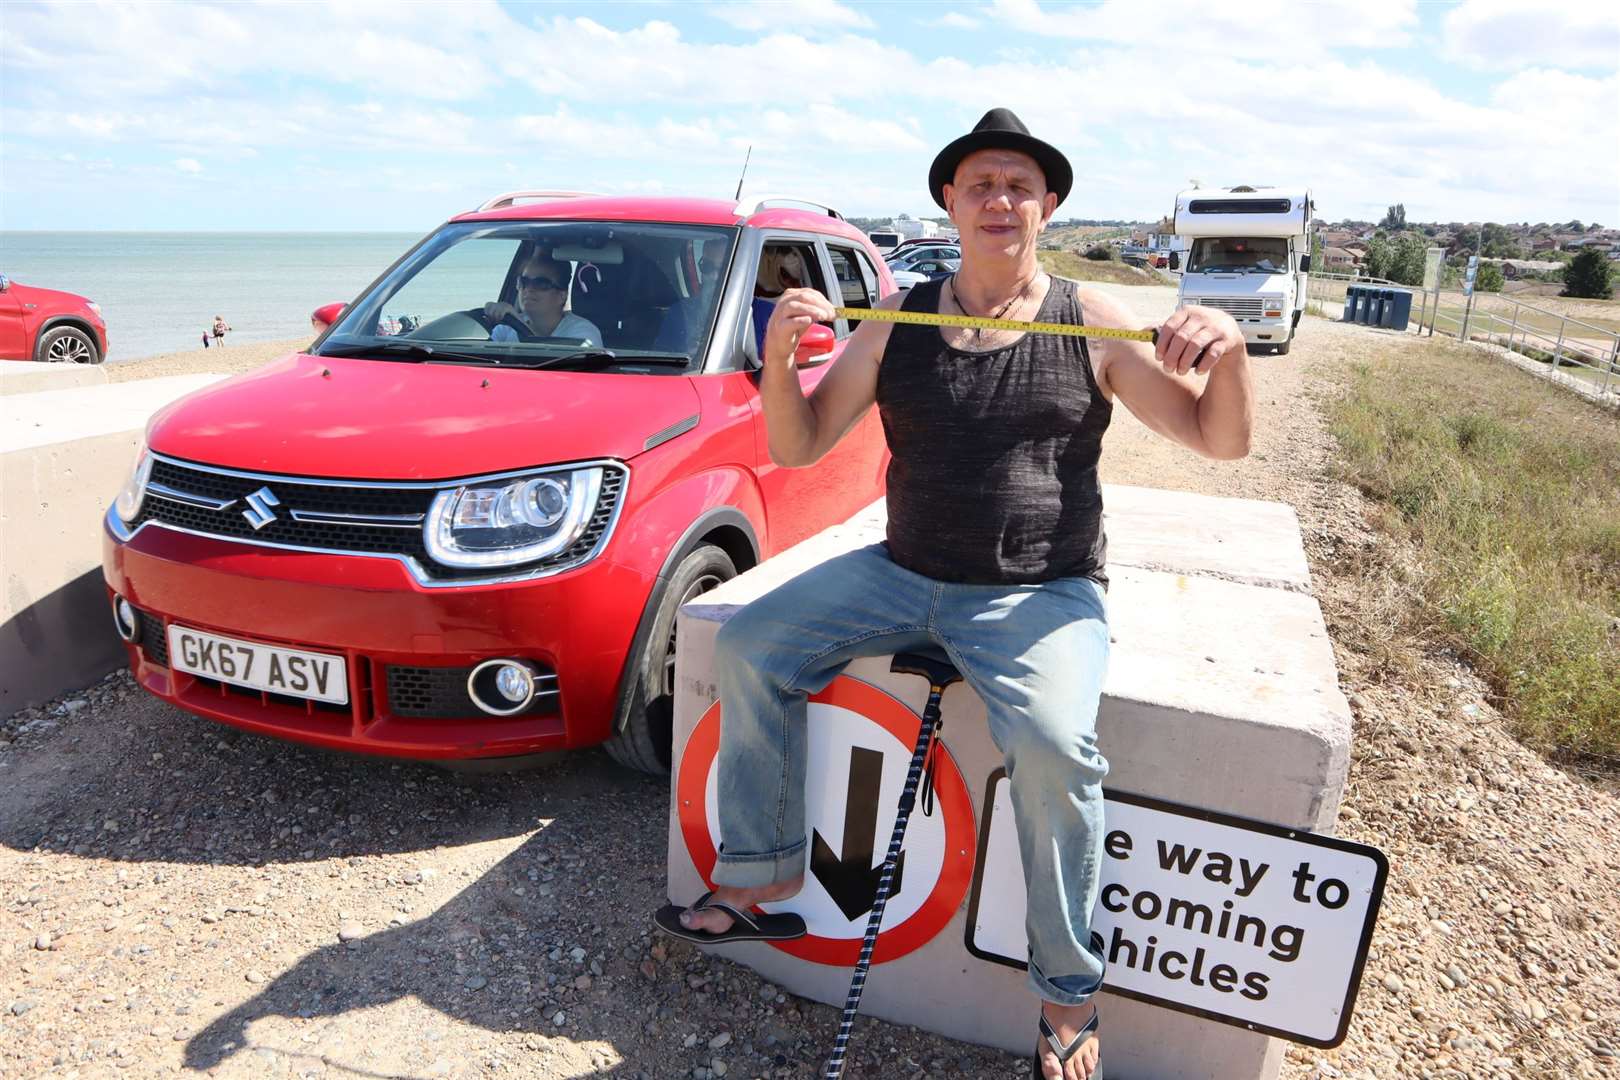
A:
x: 1000, y: 129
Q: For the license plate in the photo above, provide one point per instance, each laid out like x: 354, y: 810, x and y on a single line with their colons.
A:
x: 320, y: 676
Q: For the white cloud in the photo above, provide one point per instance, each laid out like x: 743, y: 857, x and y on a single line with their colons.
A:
x: 188, y: 165
x: 1510, y: 34
x: 1190, y: 28
x: 799, y: 16
x: 955, y: 20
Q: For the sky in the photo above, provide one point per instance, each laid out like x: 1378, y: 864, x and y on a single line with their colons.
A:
x: 395, y: 115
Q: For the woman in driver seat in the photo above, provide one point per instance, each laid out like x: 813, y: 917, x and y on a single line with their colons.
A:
x: 542, y: 290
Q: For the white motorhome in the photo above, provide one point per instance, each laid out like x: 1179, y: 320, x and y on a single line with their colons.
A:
x: 1248, y: 253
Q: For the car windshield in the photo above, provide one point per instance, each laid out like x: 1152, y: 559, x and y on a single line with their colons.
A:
x: 551, y: 293
x: 1239, y: 254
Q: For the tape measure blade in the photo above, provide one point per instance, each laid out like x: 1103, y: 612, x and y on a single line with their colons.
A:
x: 928, y: 318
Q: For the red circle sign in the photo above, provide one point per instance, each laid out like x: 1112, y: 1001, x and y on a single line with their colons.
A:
x: 954, y: 806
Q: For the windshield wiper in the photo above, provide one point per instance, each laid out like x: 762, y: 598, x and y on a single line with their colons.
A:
x: 604, y: 357
x: 411, y: 351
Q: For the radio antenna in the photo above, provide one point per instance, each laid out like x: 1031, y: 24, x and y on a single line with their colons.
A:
x: 746, y: 157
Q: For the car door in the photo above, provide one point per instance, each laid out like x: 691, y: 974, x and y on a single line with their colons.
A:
x: 801, y: 502
x: 13, y: 332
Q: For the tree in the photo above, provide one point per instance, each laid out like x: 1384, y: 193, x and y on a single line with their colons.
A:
x: 1488, y: 278
x: 1395, y: 218
x: 1379, y: 257
x: 1588, y: 275
x: 1406, y: 260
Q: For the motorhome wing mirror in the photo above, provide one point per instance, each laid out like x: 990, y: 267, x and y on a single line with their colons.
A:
x: 1305, y: 263
x: 1175, y: 260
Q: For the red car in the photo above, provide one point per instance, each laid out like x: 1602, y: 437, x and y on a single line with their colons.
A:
x: 460, y: 525
x: 46, y: 324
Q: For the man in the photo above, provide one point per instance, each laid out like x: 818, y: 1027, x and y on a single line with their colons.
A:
x: 995, y: 553
x: 542, y: 292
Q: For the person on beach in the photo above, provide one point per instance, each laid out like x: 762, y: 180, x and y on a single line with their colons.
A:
x: 205, y: 339
x: 542, y: 292
x: 995, y: 554
x: 219, y: 330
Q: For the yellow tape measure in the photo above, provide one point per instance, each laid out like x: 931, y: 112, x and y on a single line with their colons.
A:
x: 974, y: 322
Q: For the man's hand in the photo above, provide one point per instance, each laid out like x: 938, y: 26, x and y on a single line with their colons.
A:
x: 496, y: 310
x: 1194, y: 330
x: 797, y: 311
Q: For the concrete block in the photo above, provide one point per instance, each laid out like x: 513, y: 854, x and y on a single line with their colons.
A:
x: 64, y: 454
x: 1222, y: 694
x: 30, y: 376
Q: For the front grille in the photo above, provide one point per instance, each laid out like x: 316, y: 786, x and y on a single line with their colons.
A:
x: 441, y: 692
x: 153, y: 642
x: 1243, y: 307
x: 361, y: 538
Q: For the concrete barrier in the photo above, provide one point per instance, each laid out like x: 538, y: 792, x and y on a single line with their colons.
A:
x: 1222, y: 694
x: 64, y: 454
x: 31, y: 376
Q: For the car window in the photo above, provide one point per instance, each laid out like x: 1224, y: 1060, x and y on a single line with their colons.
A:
x: 852, y: 285
x: 783, y: 264
x: 516, y: 292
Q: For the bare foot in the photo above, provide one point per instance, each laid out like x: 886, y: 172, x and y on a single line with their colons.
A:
x: 1067, y: 1020
x: 714, y: 921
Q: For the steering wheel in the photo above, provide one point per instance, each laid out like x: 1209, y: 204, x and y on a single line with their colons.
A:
x: 508, y: 320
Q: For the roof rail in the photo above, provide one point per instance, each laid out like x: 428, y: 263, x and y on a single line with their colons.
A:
x: 511, y: 198
x: 753, y: 204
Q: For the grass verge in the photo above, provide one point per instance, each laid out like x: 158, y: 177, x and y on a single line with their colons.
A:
x: 1509, y: 492
x: 1068, y: 264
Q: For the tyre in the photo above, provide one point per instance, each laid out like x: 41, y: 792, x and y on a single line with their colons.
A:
x: 67, y: 345
x: 644, y: 743
x: 1282, y: 350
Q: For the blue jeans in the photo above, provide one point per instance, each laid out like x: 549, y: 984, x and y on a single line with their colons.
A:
x: 1035, y: 655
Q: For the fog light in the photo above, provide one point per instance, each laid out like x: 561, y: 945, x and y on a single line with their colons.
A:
x: 502, y: 687
x: 125, y: 619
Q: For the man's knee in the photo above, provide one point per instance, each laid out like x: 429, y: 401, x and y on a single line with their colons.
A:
x: 1054, y: 743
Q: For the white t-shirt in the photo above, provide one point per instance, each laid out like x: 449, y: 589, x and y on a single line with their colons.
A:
x: 569, y: 326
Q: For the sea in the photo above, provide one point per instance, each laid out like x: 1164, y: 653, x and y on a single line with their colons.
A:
x: 159, y: 290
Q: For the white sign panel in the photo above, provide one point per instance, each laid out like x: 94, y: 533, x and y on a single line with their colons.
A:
x: 1233, y: 920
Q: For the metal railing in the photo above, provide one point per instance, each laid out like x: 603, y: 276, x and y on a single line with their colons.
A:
x: 1573, y: 349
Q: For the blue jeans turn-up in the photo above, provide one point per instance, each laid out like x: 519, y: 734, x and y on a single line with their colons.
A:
x: 1035, y: 655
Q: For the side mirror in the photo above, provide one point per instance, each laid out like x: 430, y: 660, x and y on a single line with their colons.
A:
x: 817, y: 341
x: 5, y: 283
x: 325, y: 315
x: 1175, y: 260
x: 1305, y: 263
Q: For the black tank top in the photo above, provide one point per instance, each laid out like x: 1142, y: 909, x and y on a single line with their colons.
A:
x: 993, y: 478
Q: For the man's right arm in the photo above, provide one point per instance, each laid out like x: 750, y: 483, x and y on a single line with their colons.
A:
x: 801, y: 430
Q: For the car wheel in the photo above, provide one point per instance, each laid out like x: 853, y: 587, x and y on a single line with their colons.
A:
x: 644, y: 743
x: 1282, y: 350
x: 67, y: 345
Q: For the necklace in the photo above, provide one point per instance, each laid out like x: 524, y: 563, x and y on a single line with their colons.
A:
x: 1000, y: 313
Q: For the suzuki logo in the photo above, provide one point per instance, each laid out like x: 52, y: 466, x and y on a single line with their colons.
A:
x: 258, y: 512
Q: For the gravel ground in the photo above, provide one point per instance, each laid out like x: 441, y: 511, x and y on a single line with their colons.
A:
x: 179, y: 897
x: 231, y: 359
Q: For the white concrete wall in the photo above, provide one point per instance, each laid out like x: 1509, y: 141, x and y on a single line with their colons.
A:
x: 64, y: 454
x: 31, y: 376
x: 1222, y: 693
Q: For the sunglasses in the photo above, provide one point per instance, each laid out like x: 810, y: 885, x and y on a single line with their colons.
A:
x: 526, y: 282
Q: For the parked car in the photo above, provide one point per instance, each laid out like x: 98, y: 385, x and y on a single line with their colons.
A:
x: 910, y: 258
x: 49, y: 325
x: 924, y: 270
x: 469, y: 538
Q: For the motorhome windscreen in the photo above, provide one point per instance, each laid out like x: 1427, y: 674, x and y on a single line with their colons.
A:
x: 1267, y: 255
x: 1240, y: 206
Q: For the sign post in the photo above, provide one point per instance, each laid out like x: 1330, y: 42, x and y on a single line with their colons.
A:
x: 1468, y: 296
x: 1433, y: 258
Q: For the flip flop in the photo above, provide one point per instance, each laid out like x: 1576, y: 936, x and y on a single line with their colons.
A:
x: 1064, y: 1053
x: 745, y: 925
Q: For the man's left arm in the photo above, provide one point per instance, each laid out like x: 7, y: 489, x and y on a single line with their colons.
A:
x: 1209, y: 409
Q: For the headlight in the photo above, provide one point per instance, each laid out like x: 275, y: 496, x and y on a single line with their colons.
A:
x: 128, y: 503
x: 512, y: 521
x: 93, y: 306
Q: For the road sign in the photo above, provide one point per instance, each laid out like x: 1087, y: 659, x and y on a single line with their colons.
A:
x: 860, y: 743
x: 1432, y: 258
x: 1233, y: 920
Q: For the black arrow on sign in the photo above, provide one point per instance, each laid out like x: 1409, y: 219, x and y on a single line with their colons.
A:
x: 851, y: 879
